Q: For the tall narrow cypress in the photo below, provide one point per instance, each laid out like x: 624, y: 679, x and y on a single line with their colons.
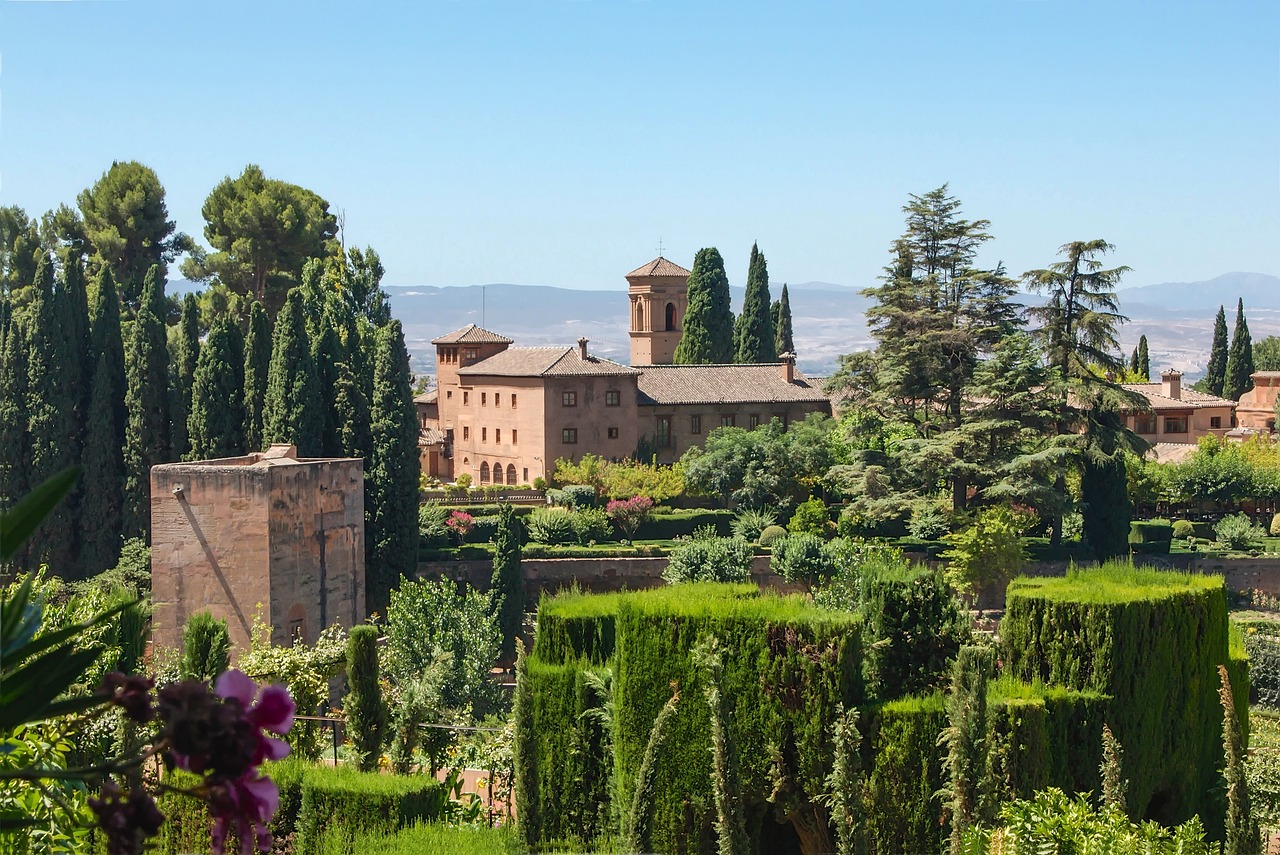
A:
x: 1239, y: 359
x: 76, y: 306
x: 147, y: 403
x: 216, y: 424
x: 15, y: 442
x: 784, y: 340
x: 257, y: 364
x: 1215, y: 374
x: 1144, y: 359
x: 52, y: 415
x: 391, y: 529
x: 707, y: 337
x: 326, y: 353
x: 351, y: 407
x: 753, y: 333
x: 186, y: 354
x: 506, y: 586
x: 293, y: 413
x: 102, y: 509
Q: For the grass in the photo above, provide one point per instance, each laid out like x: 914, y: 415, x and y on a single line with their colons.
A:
x: 436, y: 839
x: 1113, y: 582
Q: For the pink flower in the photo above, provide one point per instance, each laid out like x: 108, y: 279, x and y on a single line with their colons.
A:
x: 248, y: 802
x: 269, y: 710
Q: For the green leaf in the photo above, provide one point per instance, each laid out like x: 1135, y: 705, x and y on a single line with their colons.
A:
x: 28, y: 693
x: 23, y: 518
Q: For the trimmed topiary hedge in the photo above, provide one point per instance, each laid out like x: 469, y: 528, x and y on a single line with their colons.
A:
x: 665, y: 526
x: 363, y: 803
x: 1151, y: 641
x: 429, y: 839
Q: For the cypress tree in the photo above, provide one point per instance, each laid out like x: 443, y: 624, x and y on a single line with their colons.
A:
x: 754, y: 333
x: 52, y: 416
x: 1107, y: 511
x: 1239, y: 359
x: 352, y: 409
x: 966, y: 739
x: 15, y: 442
x: 1144, y: 359
x: 293, y: 411
x: 216, y: 424
x: 206, y: 647
x: 257, y: 364
x: 707, y: 338
x: 326, y: 353
x: 1133, y: 362
x: 391, y: 514
x: 76, y: 306
x: 102, y: 508
x: 147, y: 403
x: 1243, y: 835
x: 187, y: 352
x: 784, y: 341
x: 1215, y: 374
x: 506, y: 587
x: 365, y: 710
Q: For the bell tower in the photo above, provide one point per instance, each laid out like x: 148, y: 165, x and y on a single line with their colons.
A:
x: 659, y: 297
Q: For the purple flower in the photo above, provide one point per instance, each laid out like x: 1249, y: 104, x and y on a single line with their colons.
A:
x: 268, y: 710
x: 132, y: 693
x: 248, y: 803
x: 126, y: 821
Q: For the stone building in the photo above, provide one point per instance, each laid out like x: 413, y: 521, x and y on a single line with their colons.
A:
x: 505, y: 414
x: 1257, y: 407
x: 265, y: 530
x: 1178, y: 414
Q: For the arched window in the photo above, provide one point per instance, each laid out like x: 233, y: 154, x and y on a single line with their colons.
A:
x: 484, y: 472
x: 511, y: 473
x: 497, y: 473
x: 671, y: 316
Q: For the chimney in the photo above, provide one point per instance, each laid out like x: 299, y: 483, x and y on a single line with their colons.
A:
x: 1171, y: 384
x: 582, y: 348
x: 788, y: 361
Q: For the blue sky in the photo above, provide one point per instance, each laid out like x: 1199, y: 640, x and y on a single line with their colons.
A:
x: 556, y: 142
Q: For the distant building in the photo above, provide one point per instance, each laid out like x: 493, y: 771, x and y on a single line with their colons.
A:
x: 267, y: 529
x: 504, y: 414
x: 1179, y: 415
x: 1257, y: 407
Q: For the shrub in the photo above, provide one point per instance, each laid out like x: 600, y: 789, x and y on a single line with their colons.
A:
x: 770, y: 535
x: 801, y: 558
x: 1151, y: 531
x: 206, y: 647
x: 673, y: 524
x: 460, y: 524
x: 929, y: 523
x: 433, y: 525
x: 579, y: 496
x: 750, y: 522
x: 1238, y: 532
x: 506, y: 583
x: 719, y: 559
x: 431, y: 839
x: 629, y: 514
x: 482, y: 529
x: 591, y: 525
x: 1183, y: 529
x: 464, y: 480
x: 810, y: 518
x: 1274, y: 530
x: 365, y: 711
x: 348, y: 803
x: 540, y: 483
x: 987, y: 552
x: 551, y: 526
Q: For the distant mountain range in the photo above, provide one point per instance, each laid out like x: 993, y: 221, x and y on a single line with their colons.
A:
x: 1176, y: 317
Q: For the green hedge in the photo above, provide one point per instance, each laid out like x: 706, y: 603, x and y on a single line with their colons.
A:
x: 1150, y: 640
x: 354, y: 803
x: 904, y: 775
x: 664, y: 526
x: 1150, y: 532
x: 429, y: 839
x: 187, y: 826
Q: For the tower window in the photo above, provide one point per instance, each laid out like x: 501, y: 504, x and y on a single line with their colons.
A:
x: 671, y: 317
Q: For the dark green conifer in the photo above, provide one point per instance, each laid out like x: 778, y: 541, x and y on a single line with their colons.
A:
x: 1239, y: 359
x: 102, y: 508
x: 76, y: 306
x: 366, y: 712
x: 293, y: 413
x: 1215, y: 374
x: 352, y: 409
x: 1133, y: 362
x: 328, y: 356
x: 1107, y: 510
x: 506, y: 587
x: 784, y: 341
x: 15, y: 442
x: 52, y: 416
x: 216, y: 424
x: 753, y: 334
x: 1144, y: 359
x: 257, y: 365
x: 391, y: 514
x: 707, y: 337
x: 146, y: 403
x: 187, y: 352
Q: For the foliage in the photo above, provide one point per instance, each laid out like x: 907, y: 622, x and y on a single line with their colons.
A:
x: 292, y: 407
x: 1112, y: 772
x: 506, y: 586
x: 1236, y: 377
x: 591, y: 525
x: 146, y: 402
x: 929, y: 523
x: 753, y: 332
x: 771, y: 534
x: 364, y: 709
x: 716, y: 559
x: 102, y: 504
x: 748, y: 523
x: 433, y: 525
x: 415, y: 703
x: 844, y: 784
x: 459, y: 523
x: 780, y: 314
x: 216, y: 425
x: 988, y: 552
x: 1215, y: 374
x: 965, y: 738
x: 346, y: 802
x: 801, y: 558
x: 429, y: 838
x: 551, y: 525
x: 579, y: 496
x: 638, y: 822
x: 257, y: 368
x: 206, y: 647
x: 765, y: 467
x: 1242, y: 830
x: 810, y: 517
x: 1182, y: 529
x: 629, y: 514
x: 707, y: 334
x: 1238, y: 531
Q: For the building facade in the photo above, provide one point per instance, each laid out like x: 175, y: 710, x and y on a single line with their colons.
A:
x: 1257, y: 407
x: 1177, y: 414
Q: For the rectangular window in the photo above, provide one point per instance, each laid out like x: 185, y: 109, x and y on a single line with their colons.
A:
x: 613, y: 433
x: 695, y: 425
x: 1175, y: 424
x: 569, y: 436
x: 513, y: 400
x: 484, y: 398
x: 1144, y: 423
x: 497, y: 399
x: 466, y: 432
x: 466, y: 398
x: 514, y: 434
x: 753, y: 421
x: 525, y: 477
x: 449, y: 394
x: 727, y: 421
x: 664, y: 431
x: 612, y: 398
x: 469, y: 354
x: 569, y: 399
x: 484, y: 434
x: 497, y: 434
x: 1214, y: 421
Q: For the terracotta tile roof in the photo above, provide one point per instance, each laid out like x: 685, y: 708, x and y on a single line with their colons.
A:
x: 430, y: 436
x: 659, y: 267
x: 1172, y: 452
x: 427, y: 397
x: 1190, y: 400
x: 544, y: 362
x: 723, y: 384
x: 471, y: 334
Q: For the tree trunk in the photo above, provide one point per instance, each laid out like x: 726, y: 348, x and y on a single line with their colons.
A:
x: 813, y: 829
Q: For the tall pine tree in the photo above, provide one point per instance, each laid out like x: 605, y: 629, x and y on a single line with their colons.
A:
x: 1239, y: 369
x: 391, y: 528
x: 708, y: 322
x: 216, y: 424
x: 147, y: 403
x: 53, y: 418
x: 753, y: 334
x: 783, y: 339
x: 15, y: 442
x: 1215, y: 374
x: 186, y: 353
x: 102, y: 509
x: 257, y: 364
x: 293, y: 412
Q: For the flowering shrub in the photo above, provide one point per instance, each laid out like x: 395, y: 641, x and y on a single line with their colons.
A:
x: 460, y: 523
x: 629, y: 514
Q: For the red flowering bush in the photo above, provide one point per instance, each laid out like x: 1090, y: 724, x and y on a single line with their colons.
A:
x: 628, y: 514
x: 460, y: 523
